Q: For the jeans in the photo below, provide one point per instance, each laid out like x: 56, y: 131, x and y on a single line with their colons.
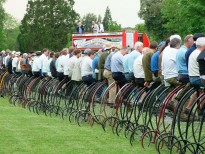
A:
x: 60, y: 76
x: 196, y: 81
x: 119, y: 77
x: 130, y: 77
x: 183, y: 78
x: 139, y: 82
x: 88, y: 79
x: 24, y: 72
x: 37, y: 74
x: 43, y: 74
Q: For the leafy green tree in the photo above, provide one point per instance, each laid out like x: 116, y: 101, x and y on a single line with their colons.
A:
x: 99, y: 18
x: 150, y: 11
x: 2, y: 17
x: 114, y: 27
x: 47, y: 23
x: 107, y: 20
x: 187, y: 17
x: 11, y: 31
x: 141, y: 28
x: 87, y: 21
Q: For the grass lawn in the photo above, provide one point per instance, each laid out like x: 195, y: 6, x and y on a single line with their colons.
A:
x: 23, y: 132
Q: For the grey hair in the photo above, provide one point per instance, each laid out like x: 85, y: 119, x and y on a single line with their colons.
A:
x: 175, y: 42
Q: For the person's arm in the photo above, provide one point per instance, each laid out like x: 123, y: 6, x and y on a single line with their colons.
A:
x: 100, y: 65
x: 72, y: 66
x: 39, y: 64
x: 160, y: 65
x: 90, y: 63
x: 82, y: 29
x: 94, y: 63
x: 146, y: 67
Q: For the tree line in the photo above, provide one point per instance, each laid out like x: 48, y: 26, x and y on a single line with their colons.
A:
x: 47, y: 23
x: 50, y: 23
x: 165, y: 17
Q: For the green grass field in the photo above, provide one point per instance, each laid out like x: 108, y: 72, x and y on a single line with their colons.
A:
x: 23, y: 132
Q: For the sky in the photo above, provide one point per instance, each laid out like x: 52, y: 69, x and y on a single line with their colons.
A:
x: 125, y: 12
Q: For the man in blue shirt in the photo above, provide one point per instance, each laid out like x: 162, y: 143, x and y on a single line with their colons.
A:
x: 80, y: 28
x: 117, y: 67
x: 181, y: 61
x: 95, y: 64
x: 155, y: 61
x: 193, y: 47
x: 108, y: 75
x: 129, y: 61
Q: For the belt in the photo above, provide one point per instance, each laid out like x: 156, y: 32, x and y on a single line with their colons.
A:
x: 107, y: 69
x: 126, y: 73
x: 87, y: 75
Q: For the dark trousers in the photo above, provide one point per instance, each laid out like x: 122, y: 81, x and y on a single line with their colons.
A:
x: 67, y: 78
x: 183, y: 78
x: 24, y: 72
x: 88, y: 79
x: 14, y: 70
x: 60, y: 76
x: 119, y: 77
x: 37, y: 74
x: 130, y: 77
x: 43, y: 74
x: 139, y: 82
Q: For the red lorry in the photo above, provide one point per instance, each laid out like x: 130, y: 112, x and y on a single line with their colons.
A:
x: 96, y: 41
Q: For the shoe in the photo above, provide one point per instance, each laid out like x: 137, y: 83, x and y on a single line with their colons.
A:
x: 187, y: 111
x: 98, y: 100
x: 129, y: 108
x: 115, y: 106
x: 201, y: 113
x: 111, y: 105
x: 124, y: 101
x: 139, y: 104
x: 184, y: 117
x: 170, y: 106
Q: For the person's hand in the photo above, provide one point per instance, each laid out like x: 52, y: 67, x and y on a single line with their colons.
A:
x: 203, y: 81
x: 146, y: 84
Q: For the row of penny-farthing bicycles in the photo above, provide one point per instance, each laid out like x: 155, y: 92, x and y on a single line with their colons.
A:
x: 139, y: 114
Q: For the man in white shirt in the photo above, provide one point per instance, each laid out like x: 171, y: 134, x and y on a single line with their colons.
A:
x: 43, y: 62
x: 86, y: 68
x: 51, y: 56
x: 129, y: 61
x: 101, y: 27
x: 60, y: 66
x: 71, y: 62
x: 193, y: 65
x: 169, y: 65
x: 66, y: 62
x: 76, y: 73
x: 36, y: 67
x: 5, y: 61
x: 15, y: 62
x: 138, y: 69
x: 95, y: 28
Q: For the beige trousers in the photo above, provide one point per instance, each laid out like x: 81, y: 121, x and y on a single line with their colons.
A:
x: 112, y: 93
